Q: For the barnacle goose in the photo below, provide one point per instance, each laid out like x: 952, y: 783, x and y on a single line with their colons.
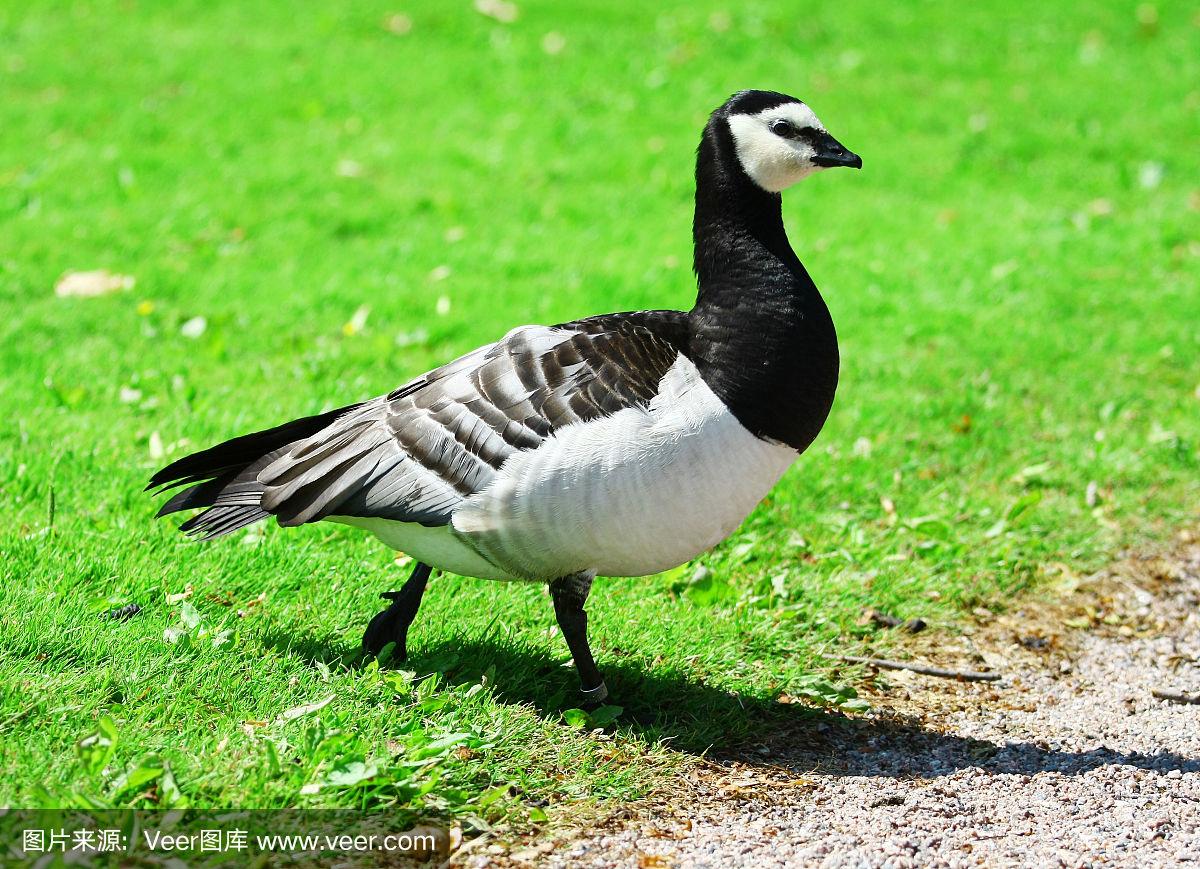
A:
x: 616, y: 445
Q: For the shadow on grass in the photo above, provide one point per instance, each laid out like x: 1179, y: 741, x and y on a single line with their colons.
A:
x: 661, y: 703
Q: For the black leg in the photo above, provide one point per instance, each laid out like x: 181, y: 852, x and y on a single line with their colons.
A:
x: 391, y: 625
x: 569, y: 594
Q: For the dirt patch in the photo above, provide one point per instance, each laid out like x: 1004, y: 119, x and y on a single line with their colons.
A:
x: 1068, y: 760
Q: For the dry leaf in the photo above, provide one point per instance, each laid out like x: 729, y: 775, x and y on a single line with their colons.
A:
x: 357, y: 322
x: 307, y: 708
x: 180, y: 595
x: 652, y: 861
x: 89, y: 284
x: 398, y: 23
x: 1002, y: 270
x: 1150, y: 175
x: 157, y: 451
x: 500, y: 10
x: 194, y: 327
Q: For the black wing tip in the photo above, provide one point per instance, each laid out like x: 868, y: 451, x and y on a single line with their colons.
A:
x: 163, y: 481
x: 178, y: 471
x: 210, y: 470
x: 160, y: 481
x: 240, y: 451
x: 219, y: 521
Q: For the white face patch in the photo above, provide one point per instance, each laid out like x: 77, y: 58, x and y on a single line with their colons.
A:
x: 774, y: 162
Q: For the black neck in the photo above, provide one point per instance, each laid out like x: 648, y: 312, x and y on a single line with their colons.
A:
x: 761, y: 335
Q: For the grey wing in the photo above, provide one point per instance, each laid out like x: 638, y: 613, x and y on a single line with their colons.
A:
x: 415, y: 454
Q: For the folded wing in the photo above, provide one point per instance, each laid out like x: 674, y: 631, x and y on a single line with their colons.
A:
x: 415, y: 454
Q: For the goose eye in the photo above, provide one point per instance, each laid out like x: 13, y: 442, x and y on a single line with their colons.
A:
x: 783, y: 128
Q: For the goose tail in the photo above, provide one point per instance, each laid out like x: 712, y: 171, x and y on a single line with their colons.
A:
x: 224, y: 479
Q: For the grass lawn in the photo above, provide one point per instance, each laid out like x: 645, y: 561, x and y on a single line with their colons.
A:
x: 349, y: 194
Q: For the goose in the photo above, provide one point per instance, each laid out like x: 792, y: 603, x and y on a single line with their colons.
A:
x: 615, y: 445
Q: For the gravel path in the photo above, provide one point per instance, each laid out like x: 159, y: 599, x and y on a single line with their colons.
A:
x: 1069, y: 761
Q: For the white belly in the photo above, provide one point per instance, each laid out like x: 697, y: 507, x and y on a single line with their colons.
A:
x: 437, y: 546
x: 632, y: 494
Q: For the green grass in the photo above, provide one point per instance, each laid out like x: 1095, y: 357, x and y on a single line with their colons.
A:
x: 1013, y: 275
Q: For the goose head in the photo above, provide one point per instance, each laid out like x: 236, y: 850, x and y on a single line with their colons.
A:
x: 778, y: 140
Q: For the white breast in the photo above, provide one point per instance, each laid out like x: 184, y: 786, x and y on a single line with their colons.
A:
x: 631, y: 494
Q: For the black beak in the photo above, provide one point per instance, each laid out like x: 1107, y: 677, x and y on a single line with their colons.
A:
x: 831, y: 152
